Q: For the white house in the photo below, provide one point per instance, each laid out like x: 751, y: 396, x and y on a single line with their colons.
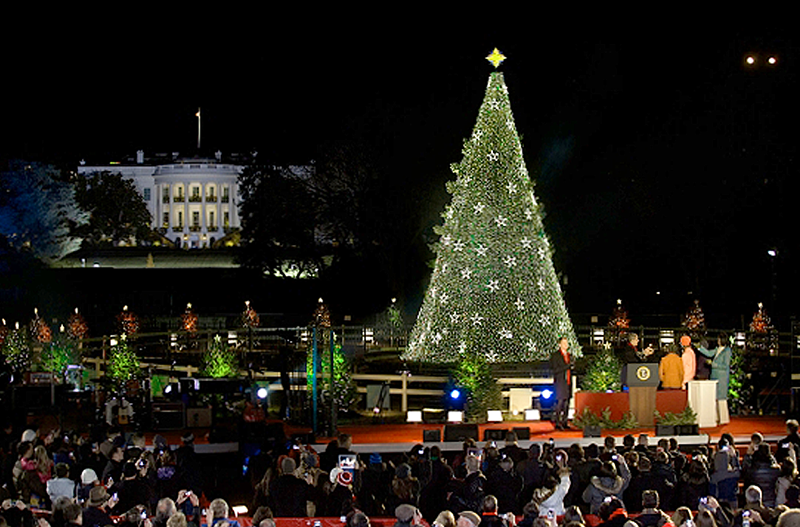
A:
x: 194, y: 202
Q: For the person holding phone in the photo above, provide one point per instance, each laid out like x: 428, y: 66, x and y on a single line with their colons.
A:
x: 551, y: 496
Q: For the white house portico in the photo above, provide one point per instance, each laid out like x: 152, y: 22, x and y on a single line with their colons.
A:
x: 194, y: 202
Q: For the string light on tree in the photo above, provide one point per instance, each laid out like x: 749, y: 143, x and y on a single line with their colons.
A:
x: 189, y: 320
x: 503, y: 280
x: 250, y: 318
x: 40, y: 331
x: 128, y: 322
x: 77, y: 329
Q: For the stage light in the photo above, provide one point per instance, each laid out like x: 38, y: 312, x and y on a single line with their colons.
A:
x: 454, y: 416
x: 414, y: 416
x: 168, y: 389
x: 494, y: 416
x: 547, y: 394
x: 532, y: 415
x: 455, y: 394
x: 261, y: 393
x: 240, y: 510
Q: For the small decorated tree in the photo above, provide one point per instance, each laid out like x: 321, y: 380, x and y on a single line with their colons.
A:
x: 249, y: 316
x: 3, y: 333
x: 219, y: 360
x: 58, y: 355
x: 762, y: 336
x: 343, y: 390
x: 740, y: 389
x: 619, y: 323
x: 474, y: 374
x: 602, y: 371
x: 695, y: 321
x: 123, y: 364
x: 77, y: 329
x: 128, y: 322
x: 40, y: 331
x: 16, y: 352
x: 189, y: 320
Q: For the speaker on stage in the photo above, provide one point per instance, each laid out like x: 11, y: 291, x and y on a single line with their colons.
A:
x: 494, y: 434
x: 460, y: 432
x: 523, y: 433
x: 431, y: 436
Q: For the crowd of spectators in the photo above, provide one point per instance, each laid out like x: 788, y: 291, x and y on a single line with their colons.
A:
x: 119, y: 481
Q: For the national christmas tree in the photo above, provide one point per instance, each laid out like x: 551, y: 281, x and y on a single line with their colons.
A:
x: 494, y: 292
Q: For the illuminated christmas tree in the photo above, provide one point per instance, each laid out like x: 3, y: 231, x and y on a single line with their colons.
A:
x: 77, y: 329
x: 494, y: 291
x: 695, y: 321
x: 128, y: 322
x: 763, y: 335
x: 249, y: 317
x: 189, y: 320
x: 619, y: 317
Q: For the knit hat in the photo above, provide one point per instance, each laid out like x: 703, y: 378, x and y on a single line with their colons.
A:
x: 405, y: 513
x: 375, y: 459
x: 88, y: 476
x: 472, y: 517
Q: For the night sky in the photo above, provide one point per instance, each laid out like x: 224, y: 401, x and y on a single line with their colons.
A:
x: 665, y: 165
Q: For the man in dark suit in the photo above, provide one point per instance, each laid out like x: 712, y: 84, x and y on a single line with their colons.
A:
x: 561, y: 366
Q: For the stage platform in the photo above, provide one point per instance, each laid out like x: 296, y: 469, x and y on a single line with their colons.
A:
x: 394, y: 438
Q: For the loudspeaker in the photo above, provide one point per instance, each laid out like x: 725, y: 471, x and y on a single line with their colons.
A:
x: 431, y: 436
x: 198, y: 417
x: 494, y: 434
x: 523, y: 433
x: 460, y: 432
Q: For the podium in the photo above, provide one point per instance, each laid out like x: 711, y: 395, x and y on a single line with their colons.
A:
x: 703, y: 400
x: 642, y: 380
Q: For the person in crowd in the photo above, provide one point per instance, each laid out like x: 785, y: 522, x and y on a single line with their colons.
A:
x: 73, y: 514
x: 132, y: 490
x: 644, y: 481
x: 607, y: 484
x: 444, y: 519
x: 474, y: 484
x: 793, y: 436
x: 754, y: 502
x: 340, y: 500
x: 178, y: 520
x: 405, y: 487
x: 534, y: 473
x: 289, y: 494
x: 407, y: 516
x: 490, y: 516
x: 113, y: 468
x: 61, y: 485
x: 433, y: 497
x: 165, y: 509
x: 512, y: 449
x: 670, y: 369
x: 705, y: 519
x: 551, y: 496
x: 724, y: 481
x: 789, y: 518
x: 96, y: 512
x: 693, y: 484
x: 651, y: 515
x: 506, y: 485
x: 681, y: 516
x: 763, y: 471
x: 217, y: 513
x: 89, y: 480
x: 612, y: 513
x: 468, y: 519
x: 786, y: 478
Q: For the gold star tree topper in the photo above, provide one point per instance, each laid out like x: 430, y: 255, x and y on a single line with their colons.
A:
x: 496, y: 58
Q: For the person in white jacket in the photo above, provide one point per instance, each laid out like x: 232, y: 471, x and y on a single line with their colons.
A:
x: 551, y: 496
